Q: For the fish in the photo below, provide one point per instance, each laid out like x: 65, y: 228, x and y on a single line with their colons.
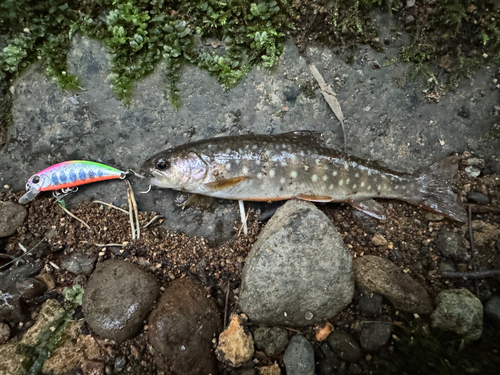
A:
x: 68, y: 175
x: 298, y: 165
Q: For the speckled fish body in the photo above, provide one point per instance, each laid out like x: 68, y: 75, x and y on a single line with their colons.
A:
x: 68, y: 174
x: 297, y: 165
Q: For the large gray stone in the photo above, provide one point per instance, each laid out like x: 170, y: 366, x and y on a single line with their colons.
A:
x: 299, y: 271
x: 299, y: 356
x: 182, y: 327
x: 460, y: 311
x: 12, y: 216
x: 118, y: 298
x: 380, y: 275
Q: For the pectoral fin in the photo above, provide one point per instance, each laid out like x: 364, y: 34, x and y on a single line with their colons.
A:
x: 370, y: 207
x: 314, y: 198
x: 224, y: 184
x: 198, y: 201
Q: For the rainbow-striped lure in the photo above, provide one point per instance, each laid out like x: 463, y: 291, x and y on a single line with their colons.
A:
x: 67, y: 176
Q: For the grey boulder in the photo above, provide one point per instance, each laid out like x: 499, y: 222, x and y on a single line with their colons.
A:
x: 299, y: 271
x: 118, y: 298
x: 12, y: 216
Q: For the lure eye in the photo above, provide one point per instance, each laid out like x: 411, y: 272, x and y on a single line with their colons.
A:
x: 162, y: 164
x: 36, y: 179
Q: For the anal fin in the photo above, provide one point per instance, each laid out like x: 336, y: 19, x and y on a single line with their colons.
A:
x: 226, y: 183
x: 370, y: 207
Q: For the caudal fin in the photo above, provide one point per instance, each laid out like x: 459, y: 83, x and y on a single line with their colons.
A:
x: 435, y: 192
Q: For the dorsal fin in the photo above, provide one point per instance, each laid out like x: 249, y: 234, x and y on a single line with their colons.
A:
x: 310, y: 136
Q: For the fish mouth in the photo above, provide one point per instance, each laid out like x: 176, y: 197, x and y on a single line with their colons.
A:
x: 28, y: 196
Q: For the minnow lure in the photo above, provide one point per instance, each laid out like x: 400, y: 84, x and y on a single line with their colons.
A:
x: 298, y: 165
x: 67, y: 176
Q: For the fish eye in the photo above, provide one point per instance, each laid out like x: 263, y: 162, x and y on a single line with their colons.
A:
x: 162, y: 164
x: 36, y: 179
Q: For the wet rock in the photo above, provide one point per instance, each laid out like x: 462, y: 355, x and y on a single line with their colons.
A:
x: 270, y: 370
x: 370, y: 304
x: 298, y: 272
x: 492, y: 310
x: 472, y: 171
x: 299, y: 356
x: 12, y: 216
x: 478, y: 198
x: 235, y: 343
x: 364, y: 221
x: 79, y: 263
x: 376, y: 274
x: 375, y: 335
x: 452, y: 245
x: 344, y: 345
x: 31, y: 288
x: 379, y: 240
x: 182, y: 327
x: 118, y: 298
x: 458, y: 310
x: 4, y: 333
x: 327, y: 361
x: 272, y: 340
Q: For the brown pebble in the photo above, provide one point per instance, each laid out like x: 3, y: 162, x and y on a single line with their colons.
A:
x: 379, y: 240
x: 323, y: 332
x: 48, y: 279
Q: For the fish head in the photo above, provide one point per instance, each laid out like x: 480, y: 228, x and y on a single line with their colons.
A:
x: 178, y: 170
x: 34, y: 186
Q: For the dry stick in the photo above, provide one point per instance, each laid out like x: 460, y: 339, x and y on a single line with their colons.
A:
x: 131, y: 215
x: 153, y: 220
x: 243, y: 219
x: 110, y: 244
x: 136, y: 211
x: 110, y: 205
x: 227, y: 302
x: 471, y: 275
x: 74, y: 217
x: 480, y: 209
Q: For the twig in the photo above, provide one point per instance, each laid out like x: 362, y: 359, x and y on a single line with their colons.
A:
x: 243, y: 218
x: 112, y: 206
x: 74, y: 217
x: 136, y: 211
x: 131, y: 215
x: 110, y: 244
x: 153, y: 220
x: 227, y: 302
x: 481, y: 209
x: 470, y: 275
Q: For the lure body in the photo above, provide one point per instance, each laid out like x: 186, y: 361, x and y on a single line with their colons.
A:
x: 67, y: 175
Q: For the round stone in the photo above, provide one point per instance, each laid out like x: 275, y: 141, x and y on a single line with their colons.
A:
x: 12, y: 216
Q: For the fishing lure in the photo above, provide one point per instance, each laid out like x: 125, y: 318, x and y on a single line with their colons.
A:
x: 67, y: 176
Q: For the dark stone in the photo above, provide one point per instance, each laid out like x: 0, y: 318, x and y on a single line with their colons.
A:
x: 327, y: 361
x: 182, y: 327
x: 291, y: 94
x: 344, y: 345
x: 79, y: 263
x: 464, y: 112
x: 365, y: 222
x: 12, y: 216
x: 492, y: 310
x: 375, y: 335
x: 452, y: 245
x: 355, y: 369
x: 370, y: 304
x: 120, y: 363
x: 118, y: 298
x: 478, y: 198
x: 272, y: 340
x: 31, y: 288
x: 299, y: 356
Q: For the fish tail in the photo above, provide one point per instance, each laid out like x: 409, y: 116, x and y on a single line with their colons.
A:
x: 435, y: 191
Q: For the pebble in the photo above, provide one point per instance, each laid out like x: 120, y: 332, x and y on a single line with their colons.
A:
x: 299, y: 255
x: 377, y: 274
x: 327, y: 361
x: 118, y: 297
x: 49, y: 280
x: 375, y: 335
x: 182, y: 327
x: 79, y: 263
x: 299, y: 356
x: 31, y: 288
x: 447, y: 265
x: 322, y: 333
x: 472, y: 171
x: 12, y: 216
x: 344, y: 345
x: 474, y: 161
x: 492, y: 310
x: 120, y: 363
x: 235, y: 343
x: 433, y: 217
x: 453, y: 245
x: 4, y: 333
x: 272, y: 340
x: 484, y: 233
x: 370, y: 304
x: 270, y: 370
x: 379, y: 240
x: 478, y: 198
x: 355, y: 369
x: 460, y: 311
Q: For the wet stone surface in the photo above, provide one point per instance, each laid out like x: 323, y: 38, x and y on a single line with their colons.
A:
x: 344, y: 345
x: 12, y: 216
x: 118, y: 297
x: 375, y: 335
x: 272, y: 340
x: 299, y: 356
x: 370, y: 304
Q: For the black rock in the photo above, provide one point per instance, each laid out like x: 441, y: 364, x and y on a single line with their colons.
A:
x: 272, y: 340
x: 492, y: 310
x: 12, y: 216
x: 327, y: 362
x: 478, y: 198
x: 453, y: 245
x: 31, y: 288
x: 375, y: 335
x: 370, y: 304
x: 344, y: 345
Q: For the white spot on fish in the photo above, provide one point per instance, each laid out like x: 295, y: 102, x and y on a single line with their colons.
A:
x: 257, y: 161
x: 334, y: 173
x: 293, y: 174
x: 396, y: 187
x: 362, y: 184
x: 389, y: 188
x: 331, y: 186
x: 314, y: 177
x: 283, y: 163
x: 282, y: 180
x: 240, y: 151
x: 254, y: 147
x: 283, y: 145
x: 356, y: 175
x: 325, y: 177
x: 247, y: 147
x: 228, y: 151
x: 293, y: 157
x: 317, y: 161
x: 228, y: 166
x: 272, y: 173
x: 346, y: 166
x: 354, y: 186
x: 303, y: 185
x: 306, y: 167
x: 259, y: 176
x: 302, y: 153
x: 384, y: 176
x: 237, y: 161
x: 379, y: 187
x: 369, y: 172
x: 347, y: 181
x: 341, y: 182
x: 369, y: 187
x: 245, y: 170
x: 267, y: 153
